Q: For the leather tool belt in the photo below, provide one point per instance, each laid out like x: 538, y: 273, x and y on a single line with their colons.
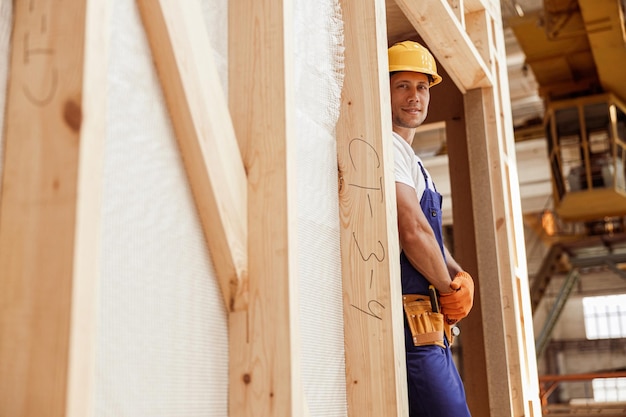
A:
x: 427, y: 327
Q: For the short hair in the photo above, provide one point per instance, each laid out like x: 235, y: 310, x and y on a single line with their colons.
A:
x: 430, y: 77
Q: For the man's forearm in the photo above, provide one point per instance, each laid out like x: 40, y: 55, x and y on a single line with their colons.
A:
x: 453, y: 266
x: 425, y: 256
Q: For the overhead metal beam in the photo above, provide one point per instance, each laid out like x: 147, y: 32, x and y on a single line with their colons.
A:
x: 604, y: 24
x: 555, y: 311
x: 613, y: 267
x: 544, y: 276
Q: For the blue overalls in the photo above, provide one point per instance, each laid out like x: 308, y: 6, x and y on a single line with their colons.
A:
x: 435, y: 388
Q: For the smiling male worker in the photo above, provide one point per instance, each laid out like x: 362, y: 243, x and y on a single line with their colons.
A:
x: 430, y: 276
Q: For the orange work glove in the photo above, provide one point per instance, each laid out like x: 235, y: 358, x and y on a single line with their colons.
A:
x: 457, y: 304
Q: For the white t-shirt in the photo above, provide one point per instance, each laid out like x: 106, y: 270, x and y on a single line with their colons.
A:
x: 407, y: 170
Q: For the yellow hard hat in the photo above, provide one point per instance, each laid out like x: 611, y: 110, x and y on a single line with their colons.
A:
x: 411, y: 56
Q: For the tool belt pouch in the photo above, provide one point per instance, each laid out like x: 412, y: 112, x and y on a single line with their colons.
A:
x: 427, y: 327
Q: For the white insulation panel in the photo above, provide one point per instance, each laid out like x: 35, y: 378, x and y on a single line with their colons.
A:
x: 318, y: 43
x: 162, y: 346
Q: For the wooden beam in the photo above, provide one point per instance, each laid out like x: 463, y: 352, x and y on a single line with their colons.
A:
x: 373, y: 321
x: 437, y: 24
x: 477, y: 25
x: 84, y: 311
x: 517, y: 311
x: 183, y: 57
x: 264, y: 356
x: 502, y: 304
x: 44, y: 214
x: 489, y: 375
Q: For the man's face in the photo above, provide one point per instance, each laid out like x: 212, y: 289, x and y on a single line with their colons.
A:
x: 410, y: 96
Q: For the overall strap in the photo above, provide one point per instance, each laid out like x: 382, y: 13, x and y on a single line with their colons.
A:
x: 426, y: 177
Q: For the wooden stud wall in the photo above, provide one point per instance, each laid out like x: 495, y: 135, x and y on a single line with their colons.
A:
x: 373, y: 329
x: 51, y: 188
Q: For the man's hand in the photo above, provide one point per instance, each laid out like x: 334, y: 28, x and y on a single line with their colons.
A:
x: 457, y: 304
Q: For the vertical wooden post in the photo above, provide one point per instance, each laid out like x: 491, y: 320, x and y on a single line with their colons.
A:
x: 374, y: 336
x: 264, y: 358
x: 520, y: 344
x: 487, y: 317
x: 48, y: 212
x: 84, y: 309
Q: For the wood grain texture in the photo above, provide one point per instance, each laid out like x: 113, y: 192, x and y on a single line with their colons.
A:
x: 264, y: 358
x: 81, y: 383
x: 38, y: 210
x: 373, y: 329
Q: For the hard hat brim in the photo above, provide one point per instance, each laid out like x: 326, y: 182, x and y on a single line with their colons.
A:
x: 436, y: 78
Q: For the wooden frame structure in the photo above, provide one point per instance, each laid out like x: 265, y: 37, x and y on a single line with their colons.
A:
x: 47, y: 212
